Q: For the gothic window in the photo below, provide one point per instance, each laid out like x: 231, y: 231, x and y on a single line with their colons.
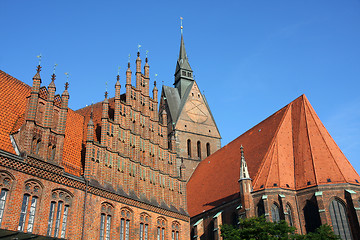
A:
x: 199, y: 149
x: 183, y: 73
x: 160, y: 232
x: 208, y: 149
x: 38, y: 145
x: 51, y: 152
x: 275, y: 213
x: 125, y: 224
x: 144, y: 226
x: 260, y: 208
x: 189, y: 147
x: 175, y: 231
x: 312, y: 216
x: 105, y: 221
x: 339, y: 219
x: 5, y: 186
x: 28, y: 206
x: 289, y: 215
x: 59, y: 212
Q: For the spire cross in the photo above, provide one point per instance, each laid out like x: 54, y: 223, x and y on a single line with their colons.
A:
x: 39, y: 57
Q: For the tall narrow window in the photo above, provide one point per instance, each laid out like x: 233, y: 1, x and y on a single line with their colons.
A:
x: 28, y: 206
x: 339, y: 219
x: 38, y: 145
x: 144, y: 220
x: 105, y: 221
x: 3, y: 195
x: 175, y: 231
x: 53, y: 151
x: 5, y: 183
x: 58, y: 214
x: 289, y: 216
x: 199, y: 149
x: 208, y: 149
x: 125, y: 224
x: 275, y: 213
x: 189, y: 147
x: 161, y: 229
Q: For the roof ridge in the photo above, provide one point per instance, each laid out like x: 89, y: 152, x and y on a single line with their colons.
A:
x: 326, y: 144
x: 272, y: 141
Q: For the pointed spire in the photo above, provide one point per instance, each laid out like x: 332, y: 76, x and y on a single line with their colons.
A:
x: 91, y: 123
x: 244, y: 173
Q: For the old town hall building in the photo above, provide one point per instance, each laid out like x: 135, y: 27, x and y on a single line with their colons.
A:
x: 106, y: 171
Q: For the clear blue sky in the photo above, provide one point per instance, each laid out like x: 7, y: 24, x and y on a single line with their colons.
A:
x: 250, y: 57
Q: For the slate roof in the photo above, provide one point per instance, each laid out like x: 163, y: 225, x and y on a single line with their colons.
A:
x: 13, y: 100
x: 290, y: 149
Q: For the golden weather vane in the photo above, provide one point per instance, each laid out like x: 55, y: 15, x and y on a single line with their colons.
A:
x: 139, y: 46
x: 39, y: 57
x: 181, y: 24
x: 146, y: 53
x: 118, y: 70
x: 55, y: 67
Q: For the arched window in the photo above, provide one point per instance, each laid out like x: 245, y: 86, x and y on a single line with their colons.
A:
x: 38, y: 145
x: 105, y: 221
x: 199, y: 149
x: 275, y: 213
x: 175, y: 231
x: 59, y: 211
x: 339, y: 219
x: 260, y: 208
x: 189, y: 147
x: 5, y: 185
x: 125, y: 224
x: 144, y: 226
x: 312, y: 216
x: 28, y: 207
x: 160, y: 232
x: 289, y: 215
x: 208, y: 149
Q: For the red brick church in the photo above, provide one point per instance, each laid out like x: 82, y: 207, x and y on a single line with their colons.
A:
x: 287, y: 167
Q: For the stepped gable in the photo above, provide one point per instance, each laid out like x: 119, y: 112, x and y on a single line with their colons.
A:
x: 13, y: 101
x: 291, y: 149
x: 97, y: 114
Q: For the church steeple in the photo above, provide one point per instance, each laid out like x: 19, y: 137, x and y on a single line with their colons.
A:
x: 183, y: 72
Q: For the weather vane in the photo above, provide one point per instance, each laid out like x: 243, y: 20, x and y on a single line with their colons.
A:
x: 118, y: 70
x: 54, y: 67
x: 181, y: 23
x: 146, y: 53
x: 139, y: 46
x: 39, y: 57
x: 129, y: 57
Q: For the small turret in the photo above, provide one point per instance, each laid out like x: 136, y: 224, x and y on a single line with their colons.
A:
x: 245, y: 186
x: 105, y: 110
x: 33, y: 101
x: 155, y: 92
x: 182, y: 170
x: 64, y: 109
x: 138, y: 71
x: 117, y: 100
x: 90, y: 128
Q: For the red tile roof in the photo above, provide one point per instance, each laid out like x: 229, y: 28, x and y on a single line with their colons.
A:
x: 290, y: 149
x: 13, y: 100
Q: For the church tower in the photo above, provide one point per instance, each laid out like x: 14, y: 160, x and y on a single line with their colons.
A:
x: 190, y: 122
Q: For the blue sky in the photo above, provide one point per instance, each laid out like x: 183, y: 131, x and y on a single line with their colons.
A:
x: 250, y: 58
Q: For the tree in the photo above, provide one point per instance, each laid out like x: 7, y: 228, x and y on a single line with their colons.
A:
x: 257, y: 228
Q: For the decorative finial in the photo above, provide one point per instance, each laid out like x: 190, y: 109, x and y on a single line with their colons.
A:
x: 106, y: 86
x: 67, y: 81
x: 118, y: 70
x: 139, y: 46
x: 54, y: 68
x: 92, y: 110
x: 154, y: 83
x: 129, y: 61
x: 39, y: 57
x: 106, y: 94
x: 146, y: 56
x: 181, y: 27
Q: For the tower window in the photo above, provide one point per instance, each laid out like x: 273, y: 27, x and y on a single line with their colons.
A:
x: 208, y: 149
x: 183, y: 73
x: 199, y: 149
x: 189, y: 147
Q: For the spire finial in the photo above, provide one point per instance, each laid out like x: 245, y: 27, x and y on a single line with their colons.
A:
x: 129, y: 61
x: 92, y: 110
x: 39, y: 57
x: 67, y: 81
x: 106, y: 93
x: 138, y: 52
x: 155, y: 83
x: 146, y: 56
x: 181, y: 25
x: 118, y: 74
x: 53, y: 76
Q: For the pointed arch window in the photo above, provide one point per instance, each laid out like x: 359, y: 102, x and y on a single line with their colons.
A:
x: 38, y: 145
x: 160, y: 234
x: 289, y: 215
x: 199, y: 149
x: 208, y: 149
x: 58, y: 214
x: 125, y: 224
x: 28, y: 206
x: 339, y: 219
x: 275, y: 213
x: 175, y: 233
x: 5, y: 185
x: 144, y: 226
x: 189, y: 147
x: 107, y: 211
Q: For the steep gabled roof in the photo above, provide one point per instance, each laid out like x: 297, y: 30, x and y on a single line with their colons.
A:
x: 290, y: 149
x: 13, y: 100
